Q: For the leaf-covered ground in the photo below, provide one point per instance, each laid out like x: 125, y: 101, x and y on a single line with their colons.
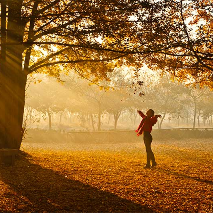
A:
x: 109, y: 178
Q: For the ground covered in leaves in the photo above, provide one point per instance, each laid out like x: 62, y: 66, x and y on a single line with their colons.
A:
x: 109, y: 178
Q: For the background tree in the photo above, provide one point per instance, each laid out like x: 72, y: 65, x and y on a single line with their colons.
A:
x: 94, y: 37
x: 53, y: 99
x: 117, y: 101
x: 40, y: 34
x: 198, y: 96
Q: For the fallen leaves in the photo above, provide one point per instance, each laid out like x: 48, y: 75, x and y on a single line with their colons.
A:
x: 110, y: 180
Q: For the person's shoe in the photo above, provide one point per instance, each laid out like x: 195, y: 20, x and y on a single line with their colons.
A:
x: 147, y: 167
x: 154, y: 164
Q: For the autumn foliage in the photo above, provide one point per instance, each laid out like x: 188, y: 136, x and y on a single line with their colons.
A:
x: 92, y: 38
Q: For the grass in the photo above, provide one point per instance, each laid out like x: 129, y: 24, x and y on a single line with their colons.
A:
x: 109, y: 178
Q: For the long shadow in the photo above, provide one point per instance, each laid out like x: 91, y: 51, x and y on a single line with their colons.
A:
x: 40, y: 189
x: 186, y: 176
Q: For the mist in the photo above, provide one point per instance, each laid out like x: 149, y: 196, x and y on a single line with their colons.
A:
x: 74, y: 105
x: 74, y: 112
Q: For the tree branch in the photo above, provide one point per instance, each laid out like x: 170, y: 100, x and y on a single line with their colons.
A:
x: 34, y: 68
x: 48, y: 6
x: 189, y: 41
x: 47, y: 58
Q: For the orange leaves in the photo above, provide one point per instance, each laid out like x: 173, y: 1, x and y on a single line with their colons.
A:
x: 166, y: 35
x: 182, y: 181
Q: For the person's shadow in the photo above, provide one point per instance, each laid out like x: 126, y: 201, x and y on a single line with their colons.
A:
x: 40, y: 189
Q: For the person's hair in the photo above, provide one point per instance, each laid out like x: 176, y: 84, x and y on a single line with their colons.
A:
x: 151, y: 111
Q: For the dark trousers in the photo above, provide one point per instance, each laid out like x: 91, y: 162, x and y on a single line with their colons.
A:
x: 148, y: 141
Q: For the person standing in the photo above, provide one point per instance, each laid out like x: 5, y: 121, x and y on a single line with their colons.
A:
x: 145, y: 128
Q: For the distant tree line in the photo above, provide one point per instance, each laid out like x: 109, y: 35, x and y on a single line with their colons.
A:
x: 93, y: 108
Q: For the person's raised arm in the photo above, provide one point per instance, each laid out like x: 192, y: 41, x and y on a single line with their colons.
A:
x: 154, y: 119
x: 141, y: 114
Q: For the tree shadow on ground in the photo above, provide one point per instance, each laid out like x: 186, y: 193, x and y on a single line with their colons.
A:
x: 39, y: 189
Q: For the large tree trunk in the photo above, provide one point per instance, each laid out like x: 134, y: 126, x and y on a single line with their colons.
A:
x: 12, y: 80
x: 12, y: 104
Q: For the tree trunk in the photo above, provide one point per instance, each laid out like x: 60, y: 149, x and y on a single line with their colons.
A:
x: 178, y: 120
x: 198, y: 118
x: 195, y: 113
x: 204, y: 121
x: 99, y: 117
x: 99, y: 121
x: 12, y: 77
x: 158, y: 124
x: 187, y: 118
x: 92, y: 121
x: 161, y: 121
x: 116, y: 117
x: 50, y: 120
x: 115, y: 124
x: 12, y: 110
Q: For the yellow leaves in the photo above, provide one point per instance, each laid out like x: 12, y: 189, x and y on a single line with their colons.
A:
x: 53, y: 178
x: 100, y: 32
x: 177, y: 184
x: 37, y: 81
x: 108, y: 40
x: 101, y: 87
